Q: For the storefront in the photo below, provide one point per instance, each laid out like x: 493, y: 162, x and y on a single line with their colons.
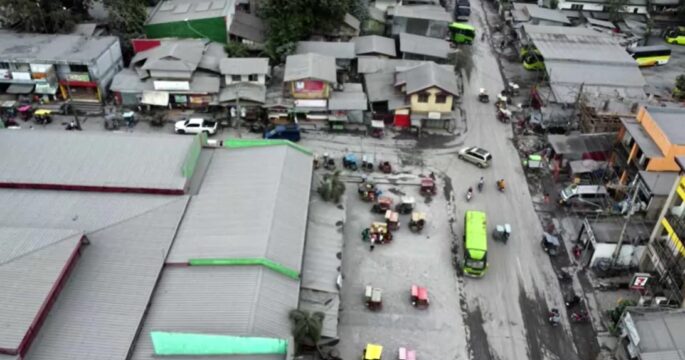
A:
x: 80, y: 90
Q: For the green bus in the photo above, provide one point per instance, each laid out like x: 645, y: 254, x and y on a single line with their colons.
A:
x: 462, y: 33
x: 651, y: 55
x: 475, y: 243
x: 532, y: 59
x: 675, y: 35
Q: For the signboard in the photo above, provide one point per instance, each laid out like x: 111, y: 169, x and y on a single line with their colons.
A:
x: 5, y: 74
x: 311, y: 103
x: 172, y: 85
x: 18, y: 75
x: 78, y: 77
x: 639, y: 281
x: 434, y: 115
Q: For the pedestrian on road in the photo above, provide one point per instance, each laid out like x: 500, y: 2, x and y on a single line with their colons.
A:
x: 501, y: 45
x: 372, y: 245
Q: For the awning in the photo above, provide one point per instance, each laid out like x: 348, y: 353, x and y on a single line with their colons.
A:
x: 45, y: 89
x: 642, y: 138
x: 20, y: 89
x: 159, y: 98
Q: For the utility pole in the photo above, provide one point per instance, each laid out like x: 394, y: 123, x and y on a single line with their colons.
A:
x: 617, y: 250
x: 237, y: 107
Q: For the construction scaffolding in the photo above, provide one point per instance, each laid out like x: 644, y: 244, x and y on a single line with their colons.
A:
x: 595, y: 120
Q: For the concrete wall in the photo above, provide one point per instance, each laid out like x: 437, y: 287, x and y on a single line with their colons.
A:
x: 261, y: 79
x: 431, y: 105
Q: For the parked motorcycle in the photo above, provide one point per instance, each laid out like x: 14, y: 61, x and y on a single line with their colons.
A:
x: 480, y: 184
x: 554, y: 317
x: 580, y: 316
x: 572, y: 301
x: 72, y: 126
x: 469, y: 194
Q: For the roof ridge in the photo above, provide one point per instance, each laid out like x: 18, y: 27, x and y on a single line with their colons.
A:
x: 76, y: 232
x: 273, y: 206
x: 175, y: 197
x: 255, y: 300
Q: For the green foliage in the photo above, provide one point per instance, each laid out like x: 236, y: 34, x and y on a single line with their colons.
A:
x: 331, y: 188
x: 307, y: 327
x: 43, y: 16
x: 680, y: 82
x: 289, y: 21
x: 236, y: 49
x: 553, y: 4
x: 126, y: 19
x: 616, y: 313
x: 614, y: 8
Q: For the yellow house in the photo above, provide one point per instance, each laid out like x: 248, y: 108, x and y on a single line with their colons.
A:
x: 430, y: 90
x: 665, y: 255
x: 653, y: 140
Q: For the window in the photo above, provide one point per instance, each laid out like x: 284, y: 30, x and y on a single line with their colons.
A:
x: 423, y: 97
x: 576, y: 6
x: 440, y: 98
x: 253, y: 77
x: 4, y: 65
x: 236, y: 77
x: 78, y: 68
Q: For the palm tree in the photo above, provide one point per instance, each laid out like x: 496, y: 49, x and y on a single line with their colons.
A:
x: 331, y: 188
x: 307, y: 328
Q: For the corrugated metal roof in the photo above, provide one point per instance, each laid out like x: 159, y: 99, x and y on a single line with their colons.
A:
x: 374, y: 44
x: 429, y: 12
x: 659, y: 183
x: 338, y: 50
x: 351, y: 21
x: 102, y: 305
x: 659, y: 331
x: 581, y: 143
x: 381, y: 87
x: 325, y: 302
x: 44, y: 48
x: 374, y: 64
x: 541, y: 13
x: 172, y: 55
x: 323, y: 246
x: 244, y: 66
x: 250, y: 92
x: 247, y: 26
x: 671, y: 121
x: 423, y: 45
x: 207, y: 84
x: 347, y: 100
x: 644, y: 141
x: 127, y: 80
x: 430, y: 75
x: 93, y: 159
x: 248, y: 300
x: 252, y: 203
x: 31, y: 262
x: 310, y: 66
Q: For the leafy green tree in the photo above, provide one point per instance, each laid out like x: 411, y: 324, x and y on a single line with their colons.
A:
x: 307, y: 328
x: 236, y: 49
x: 126, y: 19
x: 331, y: 188
x: 615, y: 8
x: 289, y: 21
x: 43, y: 16
x: 680, y: 82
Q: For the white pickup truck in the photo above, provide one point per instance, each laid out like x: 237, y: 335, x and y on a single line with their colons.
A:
x: 196, y: 126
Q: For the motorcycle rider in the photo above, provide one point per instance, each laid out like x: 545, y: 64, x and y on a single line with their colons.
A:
x: 480, y: 184
x: 469, y: 193
x: 500, y: 184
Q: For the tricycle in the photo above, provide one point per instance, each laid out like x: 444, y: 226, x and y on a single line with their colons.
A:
x: 377, y: 127
x: 8, y: 109
x: 373, y: 298
x: 428, y: 187
x: 417, y: 222
x: 406, y: 205
x: 367, y: 163
x: 383, y: 204
x: 368, y: 191
x: 503, y: 115
x: 550, y: 244
x: 129, y: 118
x: 42, y: 116
x: 24, y: 112
x: 350, y: 162
x: 392, y: 219
x: 372, y: 352
x: 483, y: 96
x: 419, y: 297
x: 502, y: 233
x: 406, y: 354
x: 385, y: 167
x: 377, y: 234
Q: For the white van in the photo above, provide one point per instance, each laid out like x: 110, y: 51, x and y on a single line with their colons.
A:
x: 592, y: 195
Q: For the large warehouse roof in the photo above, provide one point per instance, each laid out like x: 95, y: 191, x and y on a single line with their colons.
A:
x: 102, y: 304
x: 35, y: 260
x: 576, y: 57
x: 96, y: 162
x: 246, y: 301
x: 252, y: 204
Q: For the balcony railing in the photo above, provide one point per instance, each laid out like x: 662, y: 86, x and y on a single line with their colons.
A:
x: 678, y: 225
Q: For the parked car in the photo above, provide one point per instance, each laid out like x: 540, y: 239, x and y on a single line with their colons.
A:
x: 478, y: 156
x: 286, y: 132
x: 196, y: 126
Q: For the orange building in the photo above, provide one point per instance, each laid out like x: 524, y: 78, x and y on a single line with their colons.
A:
x: 651, y: 141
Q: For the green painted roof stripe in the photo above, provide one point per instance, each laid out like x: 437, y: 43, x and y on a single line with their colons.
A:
x: 457, y: 25
x: 293, y: 274
x: 247, y: 143
x: 188, y: 344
